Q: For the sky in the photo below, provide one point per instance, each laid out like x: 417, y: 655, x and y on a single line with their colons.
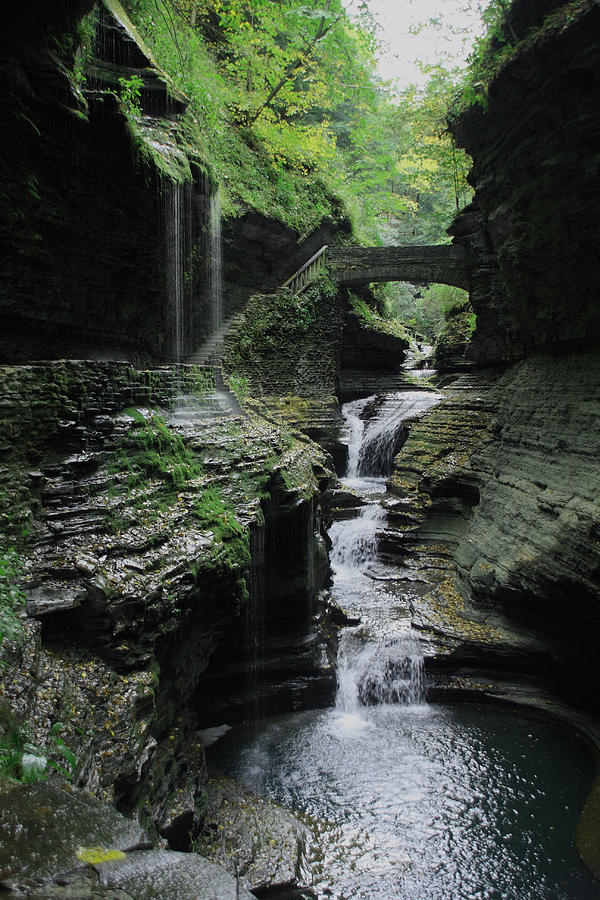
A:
x: 402, y: 49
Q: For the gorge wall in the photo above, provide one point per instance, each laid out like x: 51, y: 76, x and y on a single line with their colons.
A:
x: 157, y: 540
x: 499, y: 484
x: 530, y: 232
x: 152, y: 534
x: 149, y: 537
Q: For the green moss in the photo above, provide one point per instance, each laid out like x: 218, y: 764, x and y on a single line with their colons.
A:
x: 372, y: 319
x: 172, y: 166
x: 12, y: 598
x: 202, y: 382
x: 153, y: 451
x: 273, y: 320
x: 231, y: 545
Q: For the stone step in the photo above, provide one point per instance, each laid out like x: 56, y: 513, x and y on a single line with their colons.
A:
x: 211, y: 351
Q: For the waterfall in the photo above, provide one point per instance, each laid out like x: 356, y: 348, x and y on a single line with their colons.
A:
x: 215, y: 260
x: 355, y: 428
x: 382, y: 671
x: 376, y: 429
x: 177, y: 213
x: 385, y: 667
x: 174, y: 269
x: 354, y: 541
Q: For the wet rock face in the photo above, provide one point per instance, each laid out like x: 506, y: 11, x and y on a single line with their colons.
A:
x: 499, y: 485
x: 250, y: 836
x: 535, y: 216
x: 260, y: 254
x: 145, y: 552
x: 370, y: 360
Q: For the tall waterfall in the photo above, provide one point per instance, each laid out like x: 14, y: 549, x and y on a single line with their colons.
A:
x: 379, y: 661
x: 177, y: 212
x: 215, y: 260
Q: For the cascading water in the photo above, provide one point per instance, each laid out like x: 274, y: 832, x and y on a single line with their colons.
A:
x: 382, y: 671
x: 177, y: 230
x: 374, y: 666
x: 174, y: 256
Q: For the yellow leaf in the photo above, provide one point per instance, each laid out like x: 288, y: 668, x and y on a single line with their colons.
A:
x: 95, y: 855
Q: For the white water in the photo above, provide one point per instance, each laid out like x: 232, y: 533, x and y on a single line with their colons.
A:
x: 379, y: 661
x: 355, y: 541
x: 174, y: 258
x: 215, y: 260
x: 381, y: 671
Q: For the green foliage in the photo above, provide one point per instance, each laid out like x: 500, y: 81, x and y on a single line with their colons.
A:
x: 434, y: 306
x: 239, y: 385
x: 130, y: 94
x: 20, y: 760
x: 286, y: 91
x: 455, y: 331
x: 12, y: 598
x: 67, y: 766
x: 274, y: 319
x: 86, y: 32
x: 373, y: 319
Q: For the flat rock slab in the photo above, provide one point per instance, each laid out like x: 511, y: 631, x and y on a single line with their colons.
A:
x: 164, y: 875
x: 44, y: 824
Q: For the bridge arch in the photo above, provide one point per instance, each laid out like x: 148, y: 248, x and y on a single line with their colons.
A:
x: 435, y: 264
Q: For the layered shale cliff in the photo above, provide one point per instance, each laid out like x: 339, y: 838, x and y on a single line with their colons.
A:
x: 535, y: 141
x: 150, y: 536
x: 169, y: 548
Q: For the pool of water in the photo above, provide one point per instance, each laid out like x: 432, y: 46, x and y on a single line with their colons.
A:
x: 425, y: 802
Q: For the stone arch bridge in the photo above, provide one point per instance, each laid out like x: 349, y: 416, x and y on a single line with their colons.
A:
x: 435, y: 264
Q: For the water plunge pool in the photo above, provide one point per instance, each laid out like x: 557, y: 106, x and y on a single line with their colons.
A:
x: 425, y: 802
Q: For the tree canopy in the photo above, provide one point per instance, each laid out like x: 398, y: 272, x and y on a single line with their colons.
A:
x: 294, y: 114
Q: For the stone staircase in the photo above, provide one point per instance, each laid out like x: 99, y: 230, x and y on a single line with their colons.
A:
x: 210, y: 353
x: 221, y: 402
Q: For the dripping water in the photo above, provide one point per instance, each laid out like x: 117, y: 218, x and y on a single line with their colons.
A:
x: 215, y: 260
x: 175, y: 233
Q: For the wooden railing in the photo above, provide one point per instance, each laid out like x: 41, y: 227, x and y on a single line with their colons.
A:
x: 307, y: 273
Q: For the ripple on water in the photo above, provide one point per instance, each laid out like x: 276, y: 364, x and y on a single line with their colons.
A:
x: 426, y: 802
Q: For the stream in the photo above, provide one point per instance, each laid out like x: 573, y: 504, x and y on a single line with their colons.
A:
x: 401, y: 798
